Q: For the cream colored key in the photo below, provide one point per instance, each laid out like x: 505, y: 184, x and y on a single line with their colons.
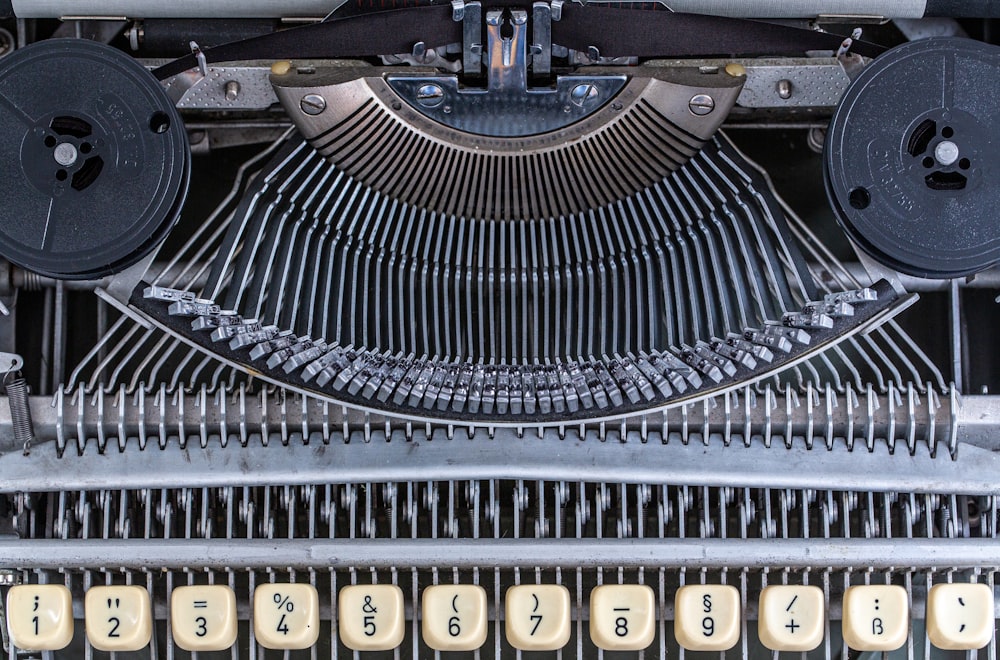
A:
x: 372, y: 617
x: 118, y: 618
x: 537, y: 617
x: 876, y: 617
x: 707, y: 617
x: 960, y: 616
x: 40, y: 616
x: 791, y: 617
x: 622, y: 617
x: 454, y: 617
x: 286, y: 616
x: 203, y: 618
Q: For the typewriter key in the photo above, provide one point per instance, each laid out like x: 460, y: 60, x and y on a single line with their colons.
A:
x: 96, y: 159
x: 911, y: 158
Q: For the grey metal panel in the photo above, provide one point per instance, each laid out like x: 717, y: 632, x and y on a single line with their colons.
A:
x: 499, y: 553
x: 175, y: 8
x: 802, y: 8
x: 506, y: 456
x: 299, y: 8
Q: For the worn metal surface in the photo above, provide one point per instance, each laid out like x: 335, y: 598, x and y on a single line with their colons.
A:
x: 693, y: 554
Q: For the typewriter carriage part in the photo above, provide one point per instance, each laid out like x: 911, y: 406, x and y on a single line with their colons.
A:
x: 458, y: 318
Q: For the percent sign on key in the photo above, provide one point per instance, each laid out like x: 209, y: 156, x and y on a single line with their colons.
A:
x: 283, y: 603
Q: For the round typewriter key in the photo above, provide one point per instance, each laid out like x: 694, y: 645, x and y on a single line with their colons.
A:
x: 911, y: 158
x: 97, y: 159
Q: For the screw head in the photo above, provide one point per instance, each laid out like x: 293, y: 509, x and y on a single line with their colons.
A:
x: 584, y: 94
x: 65, y: 154
x: 430, y: 95
x: 784, y: 89
x: 701, y: 104
x: 312, y: 104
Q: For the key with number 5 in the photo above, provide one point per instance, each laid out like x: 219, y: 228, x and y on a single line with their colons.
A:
x: 371, y: 617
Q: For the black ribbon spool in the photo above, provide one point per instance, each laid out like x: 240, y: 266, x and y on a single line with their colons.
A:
x: 911, y: 161
x: 96, y: 159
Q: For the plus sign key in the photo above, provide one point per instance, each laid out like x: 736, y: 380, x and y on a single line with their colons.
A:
x: 791, y: 617
x: 371, y: 617
x: 286, y: 615
x: 960, y: 616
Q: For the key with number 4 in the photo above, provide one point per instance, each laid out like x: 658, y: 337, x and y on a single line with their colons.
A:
x: 286, y: 615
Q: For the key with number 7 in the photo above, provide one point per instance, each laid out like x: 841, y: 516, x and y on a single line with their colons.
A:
x: 537, y: 617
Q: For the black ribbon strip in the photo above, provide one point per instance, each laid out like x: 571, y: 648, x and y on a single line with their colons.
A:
x: 615, y: 33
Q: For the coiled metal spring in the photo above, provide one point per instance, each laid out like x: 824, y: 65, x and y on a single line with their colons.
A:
x: 20, y: 411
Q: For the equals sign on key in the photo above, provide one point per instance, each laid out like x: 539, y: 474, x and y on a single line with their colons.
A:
x: 200, y: 604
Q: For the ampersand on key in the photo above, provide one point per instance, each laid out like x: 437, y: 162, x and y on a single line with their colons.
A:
x: 367, y: 607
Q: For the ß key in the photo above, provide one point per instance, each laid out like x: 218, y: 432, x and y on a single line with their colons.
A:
x: 372, y: 617
x: 876, y: 617
x: 286, y: 616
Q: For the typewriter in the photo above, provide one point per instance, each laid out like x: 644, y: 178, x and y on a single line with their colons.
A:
x: 422, y: 329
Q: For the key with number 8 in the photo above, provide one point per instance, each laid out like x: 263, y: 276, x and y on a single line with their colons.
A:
x: 622, y: 617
